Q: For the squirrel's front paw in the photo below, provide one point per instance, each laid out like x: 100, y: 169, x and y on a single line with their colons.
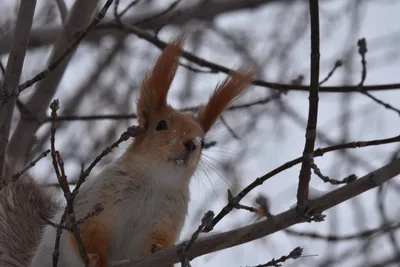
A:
x: 93, y: 259
x: 156, y: 247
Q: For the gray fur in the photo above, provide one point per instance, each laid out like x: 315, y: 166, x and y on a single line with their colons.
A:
x: 21, y: 226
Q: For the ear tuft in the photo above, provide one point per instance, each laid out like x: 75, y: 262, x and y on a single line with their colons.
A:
x: 154, y: 90
x: 223, y: 96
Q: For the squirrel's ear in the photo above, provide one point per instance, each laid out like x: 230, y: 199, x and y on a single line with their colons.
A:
x: 154, y: 90
x: 223, y: 96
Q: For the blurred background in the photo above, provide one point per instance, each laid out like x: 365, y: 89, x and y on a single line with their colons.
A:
x: 104, y: 74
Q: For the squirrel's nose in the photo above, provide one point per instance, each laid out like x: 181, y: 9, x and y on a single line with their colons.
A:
x: 190, y: 145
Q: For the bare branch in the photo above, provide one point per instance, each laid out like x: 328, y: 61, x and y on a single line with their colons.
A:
x: 337, y: 65
x: 326, y: 179
x: 130, y: 132
x: 294, y: 254
x: 62, y: 7
x: 40, y: 76
x: 384, y: 228
x: 207, y: 218
x: 311, y: 131
x: 69, y: 213
x: 32, y: 164
x: 362, y: 50
x: 317, y: 153
x: 8, y: 90
x: 78, y: 18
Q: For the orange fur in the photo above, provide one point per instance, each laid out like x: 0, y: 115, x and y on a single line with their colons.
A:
x: 95, y: 234
x: 160, y: 238
x: 153, y: 94
x: 222, y: 97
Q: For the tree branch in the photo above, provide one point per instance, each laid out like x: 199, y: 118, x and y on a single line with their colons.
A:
x: 281, y: 221
x: 200, y: 10
x: 311, y: 131
x: 78, y: 18
x: 8, y: 90
x: 317, y: 153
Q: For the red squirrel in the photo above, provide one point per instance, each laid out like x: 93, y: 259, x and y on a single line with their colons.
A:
x: 145, y: 192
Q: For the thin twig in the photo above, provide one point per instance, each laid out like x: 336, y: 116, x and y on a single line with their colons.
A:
x: 206, y: 220
x: 349, y: 179
x: 98, y: 208
x: 160, y: 14
x: 41, y: 75
x: 362, y: 50
x: 132, y: 131
x: 131, y: 4
x: 69, y: 212
x: 229, y: 128
x: 134, y: 116
x: 236, y: 205
x: 311, y: 131
x: 317, y: 153
x: 54, y: 106
x: 337, y: 238
x: 94, y: 117
x: 337, y: 65
x: 56, y: 250
x: 15, y: 176
x: 294, y: 254
x: 53, y: 224
x: 30, y: 165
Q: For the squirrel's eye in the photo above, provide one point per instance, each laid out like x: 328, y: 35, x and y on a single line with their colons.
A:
x: 202, y: 143
x: 161, y: 125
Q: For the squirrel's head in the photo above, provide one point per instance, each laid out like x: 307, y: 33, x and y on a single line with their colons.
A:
x: 169, y: 137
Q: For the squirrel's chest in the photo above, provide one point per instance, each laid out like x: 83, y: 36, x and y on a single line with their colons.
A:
x: 138, y: 215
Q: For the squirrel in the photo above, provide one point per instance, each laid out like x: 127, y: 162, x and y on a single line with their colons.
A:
x: 144, y: 193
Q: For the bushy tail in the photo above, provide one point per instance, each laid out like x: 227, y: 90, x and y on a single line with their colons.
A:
x: 23, y: 204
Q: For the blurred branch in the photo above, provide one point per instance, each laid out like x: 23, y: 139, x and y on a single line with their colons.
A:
x: 281, y: 221
x: 134, y: 116
x: 78, y: 18
x: 216, y: 68
x: 70, y: 48
x: 159, y: 14
x: 9, y: 87
x: 311, y: 130
x: 86, y: 88
x: 62, y: 7
x: 384, y: 228
x: 2, y: 69
x: 199, y: 10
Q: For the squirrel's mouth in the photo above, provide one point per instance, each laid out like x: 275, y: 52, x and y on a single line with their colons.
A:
x: 181, y: 161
